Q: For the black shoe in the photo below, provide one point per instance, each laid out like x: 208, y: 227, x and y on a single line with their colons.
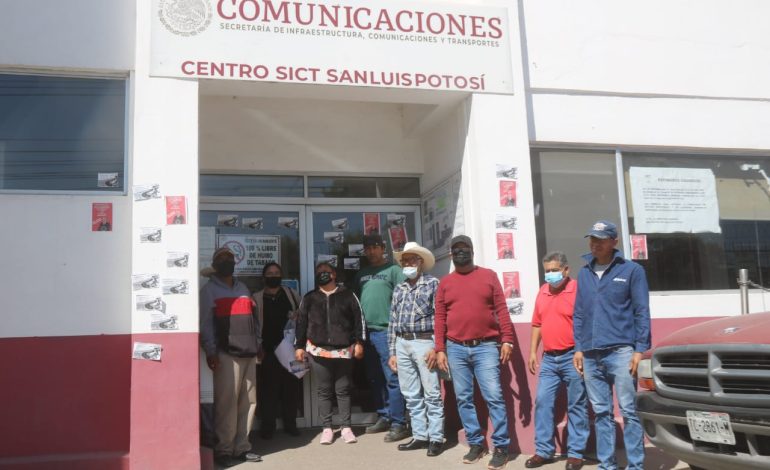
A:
x: 414, y: 444
x: 249, y: 457
x: 574, y: 463
x: 397, y: 432
x: 225, y: 461
x: 435, y: 448
x: 475, y: 453
x: 537, y: 461
x: 381, y: 425
x: 499, y: 459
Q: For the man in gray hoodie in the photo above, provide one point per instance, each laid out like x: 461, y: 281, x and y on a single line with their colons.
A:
x: 229, y: 331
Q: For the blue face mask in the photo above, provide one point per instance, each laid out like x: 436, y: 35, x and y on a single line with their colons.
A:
x: 410, y: 272
x: 554, y: 278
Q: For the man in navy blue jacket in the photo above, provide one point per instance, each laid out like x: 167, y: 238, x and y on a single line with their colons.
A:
x: 612, y: 329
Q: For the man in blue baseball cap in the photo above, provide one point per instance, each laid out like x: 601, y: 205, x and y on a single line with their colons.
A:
x: 611, y: 323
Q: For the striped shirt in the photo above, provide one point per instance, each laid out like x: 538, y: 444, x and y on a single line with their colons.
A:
x: 412, y: 308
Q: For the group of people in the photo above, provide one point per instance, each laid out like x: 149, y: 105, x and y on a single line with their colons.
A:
x: 412, y: 330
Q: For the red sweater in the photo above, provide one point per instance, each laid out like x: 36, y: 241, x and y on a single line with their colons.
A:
x: 553, y: 314
x: 471, y: 306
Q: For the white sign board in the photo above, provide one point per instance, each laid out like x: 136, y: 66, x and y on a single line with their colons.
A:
x: 252, y: 252
x: 393, y: 44
x: 668, y: 200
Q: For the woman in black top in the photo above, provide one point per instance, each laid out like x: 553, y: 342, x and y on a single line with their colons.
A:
x: 276, y: 304
x: 330, y: 331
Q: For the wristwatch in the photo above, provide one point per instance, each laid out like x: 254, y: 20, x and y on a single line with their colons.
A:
x: 509, y: 344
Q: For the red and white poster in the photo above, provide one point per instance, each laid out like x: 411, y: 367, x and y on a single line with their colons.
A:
x: 507, y: 193
x: 176, y: 210
x: 505, y: 246
x: 101, y: 217
x: 639, y: 247
x: 371, y: 223
x: 397, y: 237
x: 511, y: 287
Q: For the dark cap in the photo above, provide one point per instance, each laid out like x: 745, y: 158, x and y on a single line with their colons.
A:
x: 373, y: 240
x: 221, y: 251
x: 462, y: 239
x: 603, y: 229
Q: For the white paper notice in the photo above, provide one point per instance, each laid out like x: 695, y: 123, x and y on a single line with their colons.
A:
x: 147, y: 351
x: 668, y: 200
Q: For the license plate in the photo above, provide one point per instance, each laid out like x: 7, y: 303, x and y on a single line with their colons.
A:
x: 707, y: 426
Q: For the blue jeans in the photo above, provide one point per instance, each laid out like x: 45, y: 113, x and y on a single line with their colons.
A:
x: 421, y: 389
x: 483, y: 362
x: 555, y: 370
x: 386, y: 392
x: 604, y: 368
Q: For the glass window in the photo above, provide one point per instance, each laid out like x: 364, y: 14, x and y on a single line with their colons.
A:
x: 572, y: 189
x: 358, y: 187
x: 252, y: 186
x: 699, y: 218
x: 61, y: 133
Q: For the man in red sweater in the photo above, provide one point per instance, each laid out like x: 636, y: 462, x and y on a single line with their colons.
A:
x: 474, y: 334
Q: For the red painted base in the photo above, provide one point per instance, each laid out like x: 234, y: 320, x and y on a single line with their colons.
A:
x: 81, y: 402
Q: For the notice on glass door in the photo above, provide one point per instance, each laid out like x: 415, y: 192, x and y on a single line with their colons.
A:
x: 669, y: 200
x: 252, y: 252
x: 371, y: 223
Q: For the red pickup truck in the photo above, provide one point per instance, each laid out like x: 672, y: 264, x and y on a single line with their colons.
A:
x: 705, y: 393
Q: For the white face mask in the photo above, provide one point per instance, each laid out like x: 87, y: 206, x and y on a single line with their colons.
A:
x: 410, y: 272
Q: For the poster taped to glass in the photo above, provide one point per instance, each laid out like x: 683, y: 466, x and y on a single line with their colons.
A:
x: 252, y: 252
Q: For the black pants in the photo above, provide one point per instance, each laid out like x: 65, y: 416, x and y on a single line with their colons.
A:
x: 275, y: 385
x: 334, y: 377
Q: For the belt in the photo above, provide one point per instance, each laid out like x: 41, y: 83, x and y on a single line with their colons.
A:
x: 474, y: 342
x: 558, y: 352
x: 417, y: 335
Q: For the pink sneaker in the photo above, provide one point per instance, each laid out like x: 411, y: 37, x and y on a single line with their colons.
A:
x: 348, y: 436
x: 327, y: 436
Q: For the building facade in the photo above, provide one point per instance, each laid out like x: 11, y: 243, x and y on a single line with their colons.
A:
x: 136, y: 137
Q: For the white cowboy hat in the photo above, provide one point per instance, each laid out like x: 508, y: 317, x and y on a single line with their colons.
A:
x: 428, y: 260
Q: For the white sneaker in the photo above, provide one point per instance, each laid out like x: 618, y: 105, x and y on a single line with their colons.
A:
x: 348, y: 436
x: 327, y: 436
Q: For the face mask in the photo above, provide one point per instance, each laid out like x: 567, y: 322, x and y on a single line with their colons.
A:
x: 273, y: 281
x: 461, y: 257
x: 410, y: 272
x: 323, y: 278
x: 554, y: 278
x: 224, y: 268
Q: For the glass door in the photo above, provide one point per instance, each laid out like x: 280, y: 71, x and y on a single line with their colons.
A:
x: 335, y: 234
x: 257, y: 234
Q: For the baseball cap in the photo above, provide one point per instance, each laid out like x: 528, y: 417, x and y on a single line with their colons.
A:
x: 373, y: 240
x: 221, y: 251
x: 461, y: 239
x: 603, y: 229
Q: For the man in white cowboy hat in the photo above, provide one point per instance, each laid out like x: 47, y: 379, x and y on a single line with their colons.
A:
x: 410, y: 341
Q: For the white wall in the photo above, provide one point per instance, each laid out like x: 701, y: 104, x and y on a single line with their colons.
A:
x: 78, y: 34
x: 164, y: 152
x: 251, y: 134
x: 59, y: 277
x: 675, y: 47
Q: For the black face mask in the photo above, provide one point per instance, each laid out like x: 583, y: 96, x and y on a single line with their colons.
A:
x: 224, y: 268
x: 462, y: 257
x: 273, y: 281
x: 323, y: 278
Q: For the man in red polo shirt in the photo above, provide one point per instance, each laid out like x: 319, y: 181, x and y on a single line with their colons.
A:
x: 552, y: 321
x: 474, y: 335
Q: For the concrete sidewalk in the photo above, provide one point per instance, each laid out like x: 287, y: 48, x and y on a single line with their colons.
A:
x: 371, y: 453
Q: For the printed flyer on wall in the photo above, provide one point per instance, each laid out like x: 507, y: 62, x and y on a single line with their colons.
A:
x: 511, y: 287
x: 639, y: 247
x: 101, y: 217
x: 505, y: 246
x: 176, y: 210
x: 507, y: 194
